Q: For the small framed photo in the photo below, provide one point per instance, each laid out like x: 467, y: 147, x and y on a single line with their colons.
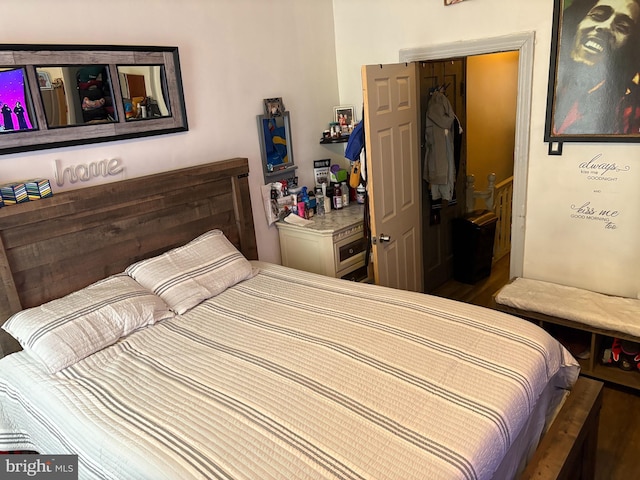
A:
x: 344, y: 115
x: 273, y: 107
x: 44, y: 80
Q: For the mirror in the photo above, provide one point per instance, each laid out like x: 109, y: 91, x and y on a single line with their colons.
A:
x: 76, y: 95
x: 15, y: 102
x: 275, y: 145
x: 70, y: 95
x: 143, y: 92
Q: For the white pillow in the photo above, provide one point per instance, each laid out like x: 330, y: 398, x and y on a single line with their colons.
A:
x: 65, y: 330
x: 187, y: 275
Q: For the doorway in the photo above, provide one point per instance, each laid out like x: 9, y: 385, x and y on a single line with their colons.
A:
x: 481, y: 91
x: 524, y: 44
x: 442, y: 82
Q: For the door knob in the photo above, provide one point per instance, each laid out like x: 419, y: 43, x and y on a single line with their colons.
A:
x: 382, y: 238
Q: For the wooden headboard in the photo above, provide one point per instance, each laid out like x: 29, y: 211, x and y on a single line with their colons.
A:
x: 54, y: 246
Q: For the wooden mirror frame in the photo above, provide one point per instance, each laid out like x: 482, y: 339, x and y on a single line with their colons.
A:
x: 31, y: 56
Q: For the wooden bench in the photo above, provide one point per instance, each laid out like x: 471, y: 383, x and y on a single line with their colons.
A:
x: 567, y: 311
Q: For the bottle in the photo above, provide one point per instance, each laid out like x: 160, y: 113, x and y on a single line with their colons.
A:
x: 301, y: 209
x: 345, y: 194
x: 360, y: 191
x: 312, y: 207
x: 337, y: 197
x: 303, y: 203
x: 327, y: 200
x: 320, y: 204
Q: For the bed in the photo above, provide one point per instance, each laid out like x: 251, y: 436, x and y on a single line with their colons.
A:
x: 259, y: 371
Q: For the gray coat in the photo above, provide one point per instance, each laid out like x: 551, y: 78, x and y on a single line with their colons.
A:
x: 439, y: 140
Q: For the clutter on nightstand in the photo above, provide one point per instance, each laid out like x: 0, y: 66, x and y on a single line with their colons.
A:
x: 281, y: 200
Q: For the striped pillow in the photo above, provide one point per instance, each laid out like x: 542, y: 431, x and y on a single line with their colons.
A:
x: 187, y: 275
x: 61, y: 332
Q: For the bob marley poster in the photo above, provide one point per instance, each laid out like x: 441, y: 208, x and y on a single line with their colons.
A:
x: 594, y: 91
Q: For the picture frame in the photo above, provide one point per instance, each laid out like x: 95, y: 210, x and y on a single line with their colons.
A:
x: 44, y: 80
x: 273, y: 107
x: 344, y: 115
x: 276, y: 148
x: 593, y: 90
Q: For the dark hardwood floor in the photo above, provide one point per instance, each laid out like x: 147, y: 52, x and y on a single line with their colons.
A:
x: 482, y: 291
x: 618, y: 456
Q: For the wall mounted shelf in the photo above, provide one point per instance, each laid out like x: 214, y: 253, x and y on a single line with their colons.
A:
x: 342, y: 139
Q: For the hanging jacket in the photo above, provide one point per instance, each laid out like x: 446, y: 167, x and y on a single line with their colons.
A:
x: 439, y: 167
x: 355, y: 144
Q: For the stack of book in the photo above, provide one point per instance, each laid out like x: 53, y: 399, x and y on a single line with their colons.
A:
x: 38, y: 188
x: 13, y: 193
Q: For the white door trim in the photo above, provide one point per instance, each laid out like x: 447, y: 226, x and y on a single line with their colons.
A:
x: 524, y: 44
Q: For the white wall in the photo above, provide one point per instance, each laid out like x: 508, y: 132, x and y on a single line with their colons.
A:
x: 233, y: 54
x: 491, y: 91
x: 559, y: 247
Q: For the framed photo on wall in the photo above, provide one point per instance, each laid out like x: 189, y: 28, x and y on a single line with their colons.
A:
x: 273, y: 107
x: 44, y: 80
x: 344, y: 115
x: 593, y: 92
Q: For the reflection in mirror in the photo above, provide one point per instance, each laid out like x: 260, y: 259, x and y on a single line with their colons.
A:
x: 15, y: 103
x: 76, y: 95
x: 144, y: 91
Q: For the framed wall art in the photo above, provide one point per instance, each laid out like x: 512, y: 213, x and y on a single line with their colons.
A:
x: 275, y: 146
x: 344, y: 115
x: 273, y: 107
x: 593, y: 92
x: 44, y: 80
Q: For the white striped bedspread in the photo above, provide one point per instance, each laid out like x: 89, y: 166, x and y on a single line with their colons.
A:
x: 290, y: 375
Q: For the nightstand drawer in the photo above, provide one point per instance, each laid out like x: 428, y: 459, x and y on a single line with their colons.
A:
x: 352, y: 248
x: 350, y: 251
x: 358, y: 275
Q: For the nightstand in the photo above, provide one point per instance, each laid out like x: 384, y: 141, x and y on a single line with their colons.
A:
x: 333, y: 245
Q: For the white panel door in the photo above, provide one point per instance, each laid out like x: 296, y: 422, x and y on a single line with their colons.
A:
x: 393, y: 171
